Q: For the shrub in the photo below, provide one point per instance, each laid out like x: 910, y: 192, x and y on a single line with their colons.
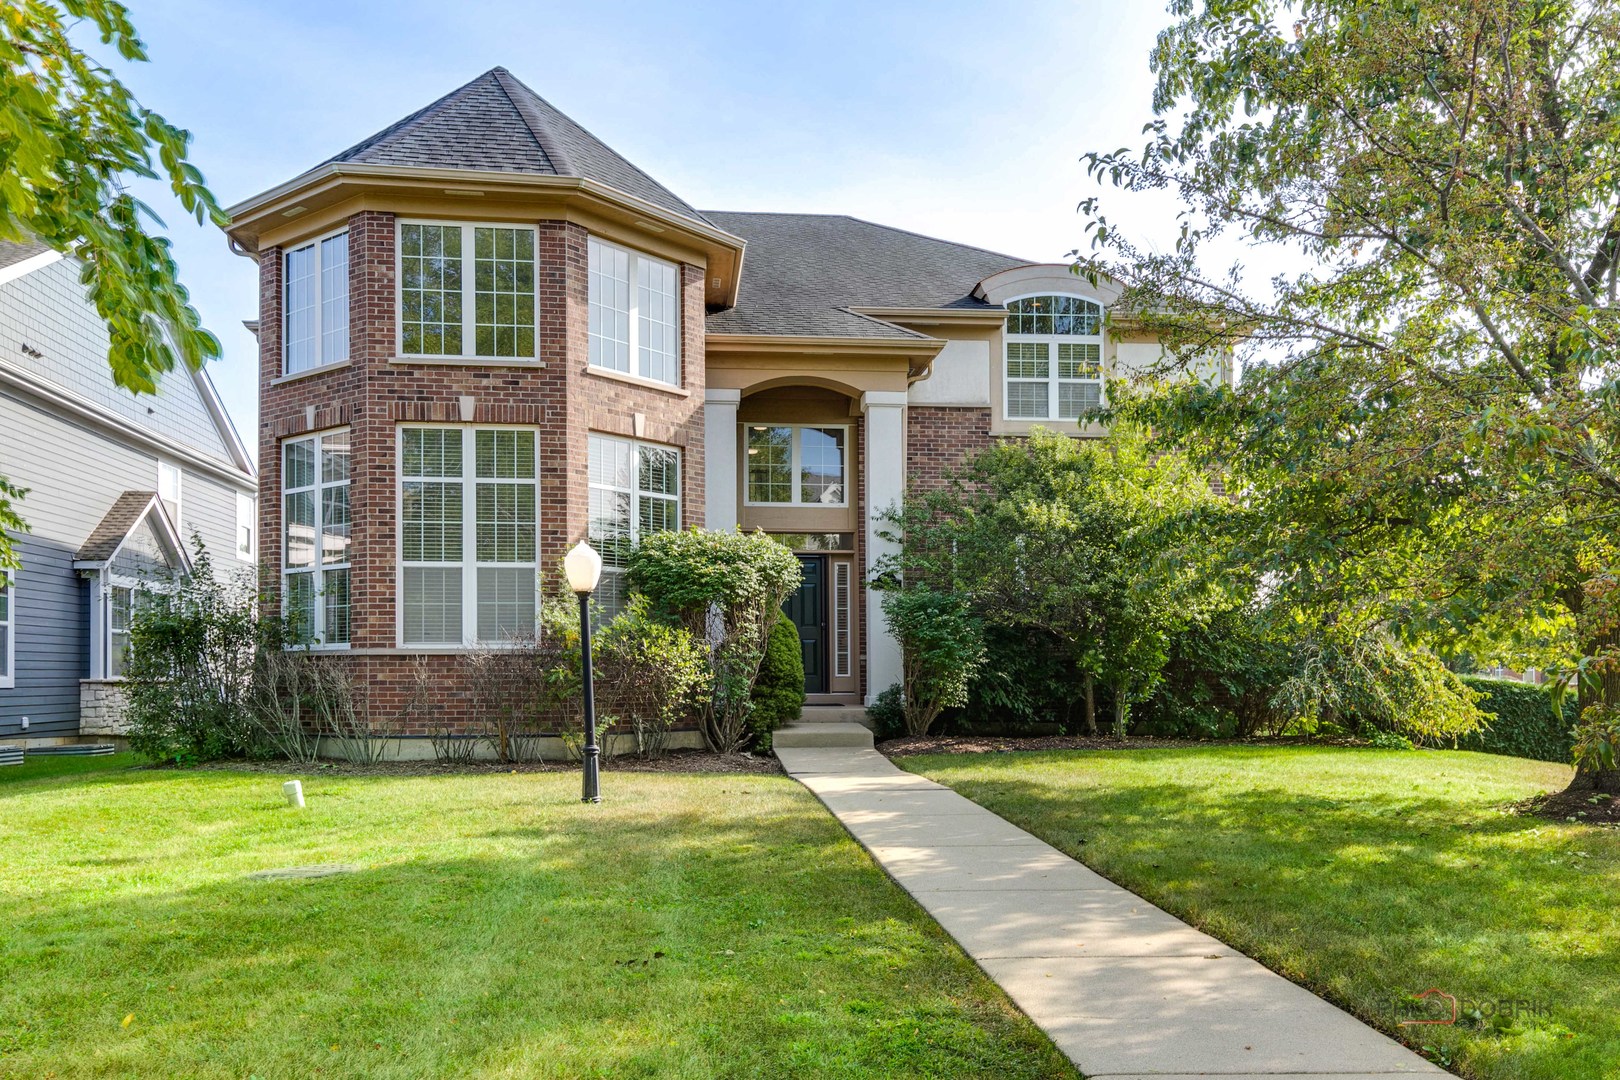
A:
x: 647, y: 674
x: 529, y: 687
x: 940, y: 649
x: 1520, y: 721
x: 726, y: 589
x: 190, y: 667
x: 1027, y: 682
x: 888, y: 713
x: 779, y: 690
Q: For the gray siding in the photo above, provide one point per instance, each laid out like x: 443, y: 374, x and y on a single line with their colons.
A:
x: 74, y: 472
x: 47, y: 311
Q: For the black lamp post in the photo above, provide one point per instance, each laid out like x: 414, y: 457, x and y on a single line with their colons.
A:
x: 583, y: 568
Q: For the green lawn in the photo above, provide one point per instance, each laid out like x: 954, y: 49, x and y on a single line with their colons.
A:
x: 690, y: 926
x: 1365, y: 875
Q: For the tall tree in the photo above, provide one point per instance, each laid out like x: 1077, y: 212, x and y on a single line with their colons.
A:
x: 71, y: 136
x: 1428, y: 419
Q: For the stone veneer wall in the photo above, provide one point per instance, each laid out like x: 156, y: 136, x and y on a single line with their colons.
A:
x: 101, y: 707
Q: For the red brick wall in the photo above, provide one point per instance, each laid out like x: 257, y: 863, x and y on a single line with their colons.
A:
x: 562, y: 399
x: 939, y: 439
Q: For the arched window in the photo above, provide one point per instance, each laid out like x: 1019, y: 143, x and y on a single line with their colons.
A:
x: 1053, y: 366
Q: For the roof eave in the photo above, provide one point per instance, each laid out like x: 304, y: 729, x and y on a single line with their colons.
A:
x: 809, y: 343
x: 993, y: 316
x: 248, y: 216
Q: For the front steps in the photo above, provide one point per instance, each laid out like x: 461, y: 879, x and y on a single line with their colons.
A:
x: 827, y: 725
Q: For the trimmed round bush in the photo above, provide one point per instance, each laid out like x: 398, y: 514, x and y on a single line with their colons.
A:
x: 779, y: 692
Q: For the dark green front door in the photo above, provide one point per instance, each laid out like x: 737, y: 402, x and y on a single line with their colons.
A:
x: 808, y: 610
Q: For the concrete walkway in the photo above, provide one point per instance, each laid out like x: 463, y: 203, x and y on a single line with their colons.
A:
x: 1123, y: 988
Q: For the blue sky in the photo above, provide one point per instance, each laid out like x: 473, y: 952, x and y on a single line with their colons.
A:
x: 953, y: 119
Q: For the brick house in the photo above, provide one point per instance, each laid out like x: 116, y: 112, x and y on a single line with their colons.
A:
x: 485, y: 335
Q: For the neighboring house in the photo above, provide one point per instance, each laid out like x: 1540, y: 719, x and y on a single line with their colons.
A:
x: 485, y: 335
x: 117, y: 486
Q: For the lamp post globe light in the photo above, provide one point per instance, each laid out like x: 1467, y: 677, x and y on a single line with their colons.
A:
x: 583, y: 568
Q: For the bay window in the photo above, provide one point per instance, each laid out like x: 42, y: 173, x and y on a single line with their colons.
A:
x: 1053, y: 364
x: 789, y: 465
x: 469, y: 523
x: 315, y: 283
x: 635, y: 321
x: 315, y: 529
x: 635, y: 491
x: 467, y: 290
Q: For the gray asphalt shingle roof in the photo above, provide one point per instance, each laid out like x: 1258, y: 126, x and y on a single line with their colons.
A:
x: 802, y: 272
x: 497, y: 123
x: 12, y: 253
x: 105, y: 537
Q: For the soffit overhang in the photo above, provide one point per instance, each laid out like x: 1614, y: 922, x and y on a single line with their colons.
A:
x: 319, y: 199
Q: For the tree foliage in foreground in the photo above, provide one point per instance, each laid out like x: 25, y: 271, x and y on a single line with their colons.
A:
x: 1427, y: 428
x: 71, y: 135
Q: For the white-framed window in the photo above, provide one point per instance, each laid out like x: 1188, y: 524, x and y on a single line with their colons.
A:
x: 315, y: 290
x: 469, y: 530
x: 315, y: 536
x: 145, y: 560
x: 635, y: 313
x: 168, y: 489
x: 791, y: 465
x: 1053, y: 368
x: 247, y: 525
x: 635, y: 491
x: 8, y: 631
x: 466, y: 290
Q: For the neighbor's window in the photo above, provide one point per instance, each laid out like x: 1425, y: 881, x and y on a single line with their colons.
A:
x: 315, y: 530
x: 168, y: 488
x: 466, y: 290
x: 8, y: 633
x: 796, y: 465
x: 247, y: 512
x: 469, y: 516
x: 1054, y: 358
x: 315, y: 284
x: 635, y: 323
x: 635, y: 491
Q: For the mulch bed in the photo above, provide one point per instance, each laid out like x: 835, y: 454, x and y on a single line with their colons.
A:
x: 674, y: 761
x: 1582, y: 807
x: 908, y: 745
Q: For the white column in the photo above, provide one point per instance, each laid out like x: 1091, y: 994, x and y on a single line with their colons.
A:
x: 720, y: 458
x: 885, y: 466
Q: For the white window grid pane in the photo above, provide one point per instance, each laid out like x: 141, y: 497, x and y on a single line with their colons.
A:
x: 430, y: 289
x: 1027, y: 400
x: 316, y: 534
x: 299, y: 605
x: 299, y: 298
x: 431, y: 521
x: 504, y: 455
x: 1076, y: 399
x: 821, y: 466
x: 770, y: 464
x: 620, y: 515
x: 503, y: 291
x: 335, y: 607
x: 506, y: 602
x: 506, y: 522
x: 335, y: 298
x: 608, y: 286
x: 432, y: 453
x: 659, y: 471
x: 1079, y: 360
x: 609, y: 525
x: 659, y: 326
x: 432, y: 605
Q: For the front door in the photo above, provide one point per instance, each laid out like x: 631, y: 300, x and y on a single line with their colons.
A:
x: 808, y: 610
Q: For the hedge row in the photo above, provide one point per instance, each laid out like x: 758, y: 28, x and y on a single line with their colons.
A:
x: 1524, y: 724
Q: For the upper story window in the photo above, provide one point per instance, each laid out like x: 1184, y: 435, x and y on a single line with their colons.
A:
x: 796, y: 465
x: 168, y: 489
x: 466, y: 291
x: 315, y: 529
x: 1054, y: 358
x: 316, y: 287
x: 635, y: 321
x: 247, y: 512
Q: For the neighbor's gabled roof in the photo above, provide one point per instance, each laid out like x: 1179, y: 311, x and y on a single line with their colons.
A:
x: 497, y: 123
x: 805, y: 272
x: 127, y: 512
x: 13, y: 252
